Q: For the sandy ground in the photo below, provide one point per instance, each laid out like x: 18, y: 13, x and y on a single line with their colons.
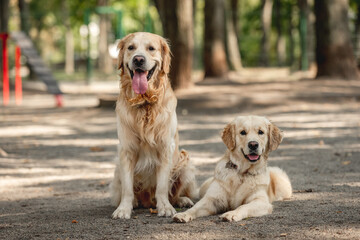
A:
x: 56, y: 164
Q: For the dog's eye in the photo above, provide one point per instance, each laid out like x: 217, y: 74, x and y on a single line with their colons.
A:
x: 260, y: 132
x: 131, y: 47
x: 151, y: 48
x: 243, y: 132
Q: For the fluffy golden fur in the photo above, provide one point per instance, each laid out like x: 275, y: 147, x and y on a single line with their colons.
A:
x: 243, y: 186
x: 150, y: 170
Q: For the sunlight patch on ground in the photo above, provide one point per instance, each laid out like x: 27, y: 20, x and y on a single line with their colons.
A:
x: 34, y: 130
x: 77, y: 142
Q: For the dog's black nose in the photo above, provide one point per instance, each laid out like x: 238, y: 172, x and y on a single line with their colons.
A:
x: 253, y: 145
x: 138, y: 60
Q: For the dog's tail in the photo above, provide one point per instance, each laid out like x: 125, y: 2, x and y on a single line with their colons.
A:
x: 280, y: 186
x: 183, y: 177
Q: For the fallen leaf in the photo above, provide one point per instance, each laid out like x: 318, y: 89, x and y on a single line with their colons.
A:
x: 97, y: 149
x: 3, y: 153
x: 242, y: 224
x: 283, y: 234
x: 153, y: 211
x: 135, y: 217
x: 345, y: 162
x: 25, y: 161
x: 338, y: 211
x: 74, y: 221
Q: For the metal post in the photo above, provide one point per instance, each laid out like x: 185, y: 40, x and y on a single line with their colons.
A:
x: 6, y: 94
x: 18, y: 82
x: 119, y: 29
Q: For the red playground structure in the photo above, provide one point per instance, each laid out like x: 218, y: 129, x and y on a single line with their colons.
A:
x: 50, y: 83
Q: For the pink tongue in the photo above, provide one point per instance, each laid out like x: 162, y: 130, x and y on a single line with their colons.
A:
x: 139, y: 82
x: 253, y: 157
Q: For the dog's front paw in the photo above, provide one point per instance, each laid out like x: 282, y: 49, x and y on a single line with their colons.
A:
x: 231, y: 216
x: 184, y: 202
x: 182, y: 217
x: 164, y: 208
x: 122, y: 213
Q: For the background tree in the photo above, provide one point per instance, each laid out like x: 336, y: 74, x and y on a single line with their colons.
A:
x: 69, y: 40
x: 334, y: 53
x: 4, y: 15
x: 24, y: 16
x: 232, y: 19
x: 356, y: 41
x: 266, y: 14
x: 105, y: 62
x: 215, y: 64
x: 280, y: 40
x: 177, y: 21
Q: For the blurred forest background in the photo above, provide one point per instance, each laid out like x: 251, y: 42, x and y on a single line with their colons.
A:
x: 77, y: 39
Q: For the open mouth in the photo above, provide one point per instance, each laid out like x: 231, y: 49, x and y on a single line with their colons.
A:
x: 252, y: 157
x: 140, y: 71
x: 140, y: 79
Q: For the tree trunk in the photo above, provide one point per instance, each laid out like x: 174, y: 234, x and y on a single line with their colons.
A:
x: 356, y: 43
x: 215, y: 63
x: 266, y: 29
x: 291, y: 35
x: 177, y: 21
x: 69, y: 40
x: 105, y: 61
x: 280, y: 41
x: 334, y: 53
x: 24, y: 16
x: 4, y: 15
x: 233, y: 51
x: 310, y: 34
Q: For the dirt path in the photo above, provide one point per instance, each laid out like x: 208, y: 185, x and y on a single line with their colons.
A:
x: 56, y: 164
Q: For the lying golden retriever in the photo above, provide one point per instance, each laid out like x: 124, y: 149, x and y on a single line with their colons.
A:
x: 243, y: 186
x: 150, y: 170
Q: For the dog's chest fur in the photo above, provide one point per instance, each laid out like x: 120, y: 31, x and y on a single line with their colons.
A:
x: 240, y: 186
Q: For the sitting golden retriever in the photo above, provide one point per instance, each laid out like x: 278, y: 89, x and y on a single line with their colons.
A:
x: 243, y: 186
x: 150, y: 170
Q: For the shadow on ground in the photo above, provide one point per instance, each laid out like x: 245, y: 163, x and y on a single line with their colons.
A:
x: 57, y: 163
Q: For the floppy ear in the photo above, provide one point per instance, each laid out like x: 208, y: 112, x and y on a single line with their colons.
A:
x: 165, y: 55
x: 275, y: 137
x: 121, y: 48
x: 228, y: 136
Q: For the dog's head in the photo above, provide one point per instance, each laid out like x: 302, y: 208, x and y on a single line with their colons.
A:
x: 144, y: 58
x: 252, y: 137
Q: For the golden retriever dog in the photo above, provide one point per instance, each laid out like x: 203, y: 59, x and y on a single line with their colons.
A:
x: 150, y: 169
x: 243, y: 186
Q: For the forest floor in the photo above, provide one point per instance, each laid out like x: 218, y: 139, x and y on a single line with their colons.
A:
x: 56, y: 163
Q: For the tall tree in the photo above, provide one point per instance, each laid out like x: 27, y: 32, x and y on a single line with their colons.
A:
x: 24, y: 16
x: 4, y: 15
x: 266, y: 14
x: 280, y: 41
x: 233, y: 51
x: 215, y: 63
x: 356, y: 43
x: 69, y: 40
x: 105, y: 62
x: 334, y: 53
x: 177, y: 21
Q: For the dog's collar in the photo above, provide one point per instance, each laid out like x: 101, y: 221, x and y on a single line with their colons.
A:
x: 231, y: 165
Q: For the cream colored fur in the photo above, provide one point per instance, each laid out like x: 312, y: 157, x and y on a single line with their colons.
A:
x: 240, y: 188
x: 150, y: 170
